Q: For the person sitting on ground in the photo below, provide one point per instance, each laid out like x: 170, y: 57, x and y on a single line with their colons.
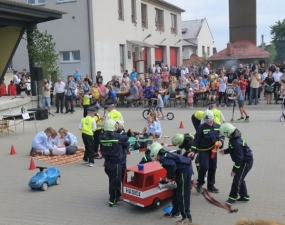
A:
x: 151, y: 128
x: 153, y: 114
x: 40, y: 144
x: 70, y: 141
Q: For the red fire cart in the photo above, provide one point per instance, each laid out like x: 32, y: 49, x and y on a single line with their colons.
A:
x: 140, y: 187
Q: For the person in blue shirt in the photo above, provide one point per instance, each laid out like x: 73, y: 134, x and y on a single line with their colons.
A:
x: 152, y: 128
x: 201, y: 83
x: 77, y: 75
x: 239, y: 97
x: 178, y: 168
x: 205, y: 80
x: 70, y: 141
x: 134, y: 75
x: 69, y: 95
x: 40, y: 144
x: 242, y: 157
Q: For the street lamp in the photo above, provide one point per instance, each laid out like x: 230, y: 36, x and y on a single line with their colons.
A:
x: 178, y: 42
x: 148, y: 36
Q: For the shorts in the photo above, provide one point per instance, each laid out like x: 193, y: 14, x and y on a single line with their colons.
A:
x: 159, y: 109
x: 131, y: 97
x: 240, y: 103
x: 71, y: 149
x: 46, y: 102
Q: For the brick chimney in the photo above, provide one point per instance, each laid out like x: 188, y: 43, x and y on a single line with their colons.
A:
x: 229, y: 49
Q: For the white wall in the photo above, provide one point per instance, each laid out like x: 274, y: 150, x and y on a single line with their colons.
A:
x: 111, y: 32
x: 205, y: 39
x: 188, y: 51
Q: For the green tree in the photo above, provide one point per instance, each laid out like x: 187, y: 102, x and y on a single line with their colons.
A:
x: 272, y: 50
x: 42, y: 52
x: 278, y: 33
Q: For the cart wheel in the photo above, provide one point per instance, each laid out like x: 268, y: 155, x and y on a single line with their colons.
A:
x: 282, y: 118
x: 170, y: 116
x: 44, y: 186
x: 145, y: 113
x: 156, y: 203
x: 58, y: 180
x: 130, y: 148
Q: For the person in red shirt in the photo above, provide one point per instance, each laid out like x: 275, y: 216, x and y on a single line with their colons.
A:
x: 242, y: 85
x: 12, y: 89
x: 3, y: 90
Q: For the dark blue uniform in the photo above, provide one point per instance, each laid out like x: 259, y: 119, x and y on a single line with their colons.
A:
x: 242, y: 156
x: 146, y: 158
x: 112, y: 150
x: 179, y: 169
x: 205, y: 139
x: 125, y: 146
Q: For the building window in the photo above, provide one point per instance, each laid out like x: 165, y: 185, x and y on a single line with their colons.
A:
x: 184, y: 30
x: 63, y: 1
x: 144, y: 15
x: 72, y: 56
x: 208, y: 50
x: 159, y: 19
x: 173, y: 24
x: 134, y: 11
x: 203, y: 50
x: 37, y: 2
x: 120, y: 10
x: 122, y: 58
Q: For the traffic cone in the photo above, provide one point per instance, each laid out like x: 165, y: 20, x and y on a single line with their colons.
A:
x: 181, y: 125
x: 32, y: 165
x: 13, y: 151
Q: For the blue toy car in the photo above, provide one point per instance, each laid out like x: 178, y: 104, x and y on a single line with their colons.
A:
x: 42, y: 180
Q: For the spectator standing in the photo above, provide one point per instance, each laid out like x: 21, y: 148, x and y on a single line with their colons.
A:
x: 247, y: 78
x: 254, y: 86
x: 58, y: 91
x: 231, y: 75
x: 222, y: 88
x: 165, y: 78
x: 70, y: 89
x: 276, y: 75
x: 12, y: 89
x: 28, y: 84
x: 158, y: 68
x: 269, y: 87
x: 157, y: 80
x: 77, y: 75
x: 22, y: 85
x: 240, y: 71
x: 134, y: 75
x: 3, y: 90
x: 88, y: 78
x: 242, y: 85
x: 16, y: 81
x: 46, y: 95
x: 99, y: 78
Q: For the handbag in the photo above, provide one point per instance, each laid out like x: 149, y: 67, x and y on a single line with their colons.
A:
x: 269, y: 88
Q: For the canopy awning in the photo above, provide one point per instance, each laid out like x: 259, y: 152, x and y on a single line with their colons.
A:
x: 141, y: 43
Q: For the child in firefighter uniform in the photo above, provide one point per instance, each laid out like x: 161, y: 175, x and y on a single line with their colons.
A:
x: 183, y: 141
x: 112, y: 151
x: 88, y: 126
x: 242, y: 157
x: 178, y: 168
x: 206, y: 137
x: 196, y: 119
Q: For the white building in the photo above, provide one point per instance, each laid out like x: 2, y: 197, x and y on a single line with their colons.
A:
x: 111, y: 35
x: 197, y: 38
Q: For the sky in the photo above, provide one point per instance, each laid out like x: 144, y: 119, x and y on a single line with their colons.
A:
x: 217, y: 14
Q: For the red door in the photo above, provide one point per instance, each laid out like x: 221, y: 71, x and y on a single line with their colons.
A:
x: 158, y: 54
x: 173, y: 56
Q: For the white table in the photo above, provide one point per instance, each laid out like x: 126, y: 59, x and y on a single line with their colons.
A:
x: 18, y: 118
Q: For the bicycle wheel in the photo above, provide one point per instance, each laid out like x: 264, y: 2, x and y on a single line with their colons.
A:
x: 145, y: 113
x: 170, y: 116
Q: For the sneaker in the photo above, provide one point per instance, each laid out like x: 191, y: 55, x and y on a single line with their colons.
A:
x: 183, y: 221
x: 91, y: 164
x: 230, y: 202
x: 241, y: 118
x: 247, y: 118
x: 243, y: 199
x: 219, y: 106
x: 98, y: 157
x: 199, y: 188
x: 175, y: 215
x: 213, y: 190
x: 84, y: 162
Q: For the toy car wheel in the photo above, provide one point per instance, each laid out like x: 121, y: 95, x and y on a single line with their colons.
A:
x: 156, y: 203
x: 44, y: 186
x: 130, y: 148
x: 58, y: 180
x: 170, y: 116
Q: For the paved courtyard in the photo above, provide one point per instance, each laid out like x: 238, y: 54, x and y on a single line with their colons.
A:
x: 82, y: 197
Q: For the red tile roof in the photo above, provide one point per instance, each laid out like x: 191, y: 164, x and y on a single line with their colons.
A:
x: 241, y: 49
x: 193, y: 59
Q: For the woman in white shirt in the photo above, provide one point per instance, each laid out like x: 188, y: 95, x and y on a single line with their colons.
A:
x: 28, y: 84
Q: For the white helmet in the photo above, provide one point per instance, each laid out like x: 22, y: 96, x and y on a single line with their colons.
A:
x: 208, y: 115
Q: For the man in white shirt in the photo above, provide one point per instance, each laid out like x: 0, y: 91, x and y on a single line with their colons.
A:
x: 16, y: 81
x: 158, y: 69
x: 183, y: 73
x: 276, y: 75
x: 206, y: 71
x: 58, y: 92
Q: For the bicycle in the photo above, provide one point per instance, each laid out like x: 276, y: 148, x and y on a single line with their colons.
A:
x: 151, y: 108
